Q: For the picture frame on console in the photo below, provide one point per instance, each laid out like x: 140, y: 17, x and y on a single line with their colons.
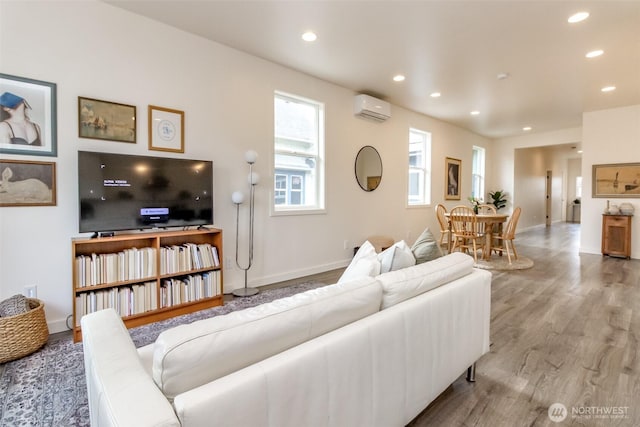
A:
x: 28, y: 121
x: 27, y: 183
x: 166, y: 129
x: 452, y: 168
x: 621, y: 180
x: 106, y: 120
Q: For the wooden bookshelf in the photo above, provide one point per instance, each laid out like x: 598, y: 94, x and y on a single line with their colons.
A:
x: 124, y: 272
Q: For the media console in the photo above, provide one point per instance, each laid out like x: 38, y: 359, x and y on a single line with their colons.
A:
x: 148, y: 276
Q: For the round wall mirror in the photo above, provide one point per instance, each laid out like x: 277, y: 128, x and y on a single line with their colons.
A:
x: 368, y: 168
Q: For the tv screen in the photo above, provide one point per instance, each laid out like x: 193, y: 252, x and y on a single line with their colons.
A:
x: 126, y: 192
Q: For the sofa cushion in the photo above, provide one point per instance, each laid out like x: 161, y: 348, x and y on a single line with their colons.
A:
x: 396, y: 257
x: 401, y: 285
x: 426, y: 248
x: 365, y: 263
x: 188, y: 356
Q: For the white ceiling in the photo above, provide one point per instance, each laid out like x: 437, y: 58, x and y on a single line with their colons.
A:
x: 457, y: 48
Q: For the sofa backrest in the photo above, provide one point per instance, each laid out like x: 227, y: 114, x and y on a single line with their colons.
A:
x: 188, y: 356
x: 400, y: 285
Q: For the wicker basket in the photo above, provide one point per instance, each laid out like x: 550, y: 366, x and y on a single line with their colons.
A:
x: 24, y: 333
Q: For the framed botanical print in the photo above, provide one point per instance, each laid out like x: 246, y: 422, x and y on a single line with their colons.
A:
x: 166, y: 129
x: 28, y: 123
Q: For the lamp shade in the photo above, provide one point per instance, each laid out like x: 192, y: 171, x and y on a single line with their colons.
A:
x: 237, y: 197
x: 253, y: 178
x: 251, y: 156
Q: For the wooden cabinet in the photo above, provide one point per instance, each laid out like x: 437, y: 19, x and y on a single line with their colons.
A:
x: 147, y: 277
x: 616, y: 235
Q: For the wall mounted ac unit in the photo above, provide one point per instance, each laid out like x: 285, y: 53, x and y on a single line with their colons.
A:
x: 372, y: 108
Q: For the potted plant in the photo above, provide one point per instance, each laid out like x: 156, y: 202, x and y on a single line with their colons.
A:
x: 499, y: 199
x: 475, y: 202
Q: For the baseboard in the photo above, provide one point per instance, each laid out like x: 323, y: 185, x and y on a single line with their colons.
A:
x: 57, y: 326
x: 294, y: 274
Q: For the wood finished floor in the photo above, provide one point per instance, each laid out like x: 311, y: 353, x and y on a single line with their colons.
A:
x: 564, y: 331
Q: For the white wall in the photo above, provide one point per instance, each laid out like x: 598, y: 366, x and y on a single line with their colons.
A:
x: 94, y: 50
x: 610, y: 136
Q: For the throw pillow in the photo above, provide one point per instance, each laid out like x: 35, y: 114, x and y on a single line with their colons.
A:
x: 365, y: 263
x: 396, y: 257
x: 13, y: 306
x: 426, y: 247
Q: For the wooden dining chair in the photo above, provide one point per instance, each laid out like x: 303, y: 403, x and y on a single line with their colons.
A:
x: 508, y: 235
x: 466, y: 230
x: 486, y: 208
x: 444, y: 223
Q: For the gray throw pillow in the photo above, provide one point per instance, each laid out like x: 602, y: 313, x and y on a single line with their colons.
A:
x: 426, y: 247
x: 15, y: 305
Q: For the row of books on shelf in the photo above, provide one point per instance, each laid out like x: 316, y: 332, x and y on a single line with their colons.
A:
x: 190, y: 288
x: 126, y: 300
x: 141, y: 263
x: 186, y: 257
x: 129, y: 264
x: 138, y: 299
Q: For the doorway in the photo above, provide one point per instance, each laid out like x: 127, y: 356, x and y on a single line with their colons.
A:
x: 548, y: 190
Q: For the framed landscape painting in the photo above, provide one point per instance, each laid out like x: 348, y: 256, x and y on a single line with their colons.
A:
x: 616, y: 180
x: 106, y: 120
x: 27, y: 116
x: 452, y: 178
x: 26, y: 183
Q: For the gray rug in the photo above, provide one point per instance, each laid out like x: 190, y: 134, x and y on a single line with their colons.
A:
x: 48, y: 387
x: 502, y: 263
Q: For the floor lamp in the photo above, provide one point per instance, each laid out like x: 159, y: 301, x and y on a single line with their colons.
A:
x: 237, y: 197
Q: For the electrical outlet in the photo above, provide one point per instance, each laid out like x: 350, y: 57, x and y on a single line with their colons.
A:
x: 228, y: 265
x: 31, y: 291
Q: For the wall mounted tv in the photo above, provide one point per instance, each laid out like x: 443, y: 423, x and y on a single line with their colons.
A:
x: 125, y: 192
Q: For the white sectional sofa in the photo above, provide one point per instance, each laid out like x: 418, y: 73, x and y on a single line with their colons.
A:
x: 369, y: 352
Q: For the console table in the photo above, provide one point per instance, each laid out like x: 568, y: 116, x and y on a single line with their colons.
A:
x: 616, y: 235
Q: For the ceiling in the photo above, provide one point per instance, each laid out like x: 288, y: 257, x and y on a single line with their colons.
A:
x: 457, y: 48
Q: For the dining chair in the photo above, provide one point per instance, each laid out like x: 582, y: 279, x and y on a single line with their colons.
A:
x: 466, y: 230
x: 486, y: 208
x: 444, y: 223
x: 508, y: 235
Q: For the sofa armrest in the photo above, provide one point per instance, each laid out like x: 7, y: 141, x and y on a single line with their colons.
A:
x: 120, y: 391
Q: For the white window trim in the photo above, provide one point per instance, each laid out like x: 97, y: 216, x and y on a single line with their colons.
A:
x: 427, y: 171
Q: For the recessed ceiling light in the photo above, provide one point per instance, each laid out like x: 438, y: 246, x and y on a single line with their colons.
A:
x: 435, y: 95
x: 475, y: 112
x: 398, y: 78
x: 608, y: 89
x: 579, y: 151
x: 577, y: 17
x: 502, y: 76
x: 594, y: 53
x: 526, y: 128
x: 309, y: 36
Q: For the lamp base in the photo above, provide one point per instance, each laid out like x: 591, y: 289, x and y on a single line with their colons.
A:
x: 245, y: 292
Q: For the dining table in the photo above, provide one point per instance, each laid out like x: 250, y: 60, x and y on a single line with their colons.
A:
x: 492, y: 221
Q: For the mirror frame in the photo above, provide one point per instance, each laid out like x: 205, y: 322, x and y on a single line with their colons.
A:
x: 376, y: 179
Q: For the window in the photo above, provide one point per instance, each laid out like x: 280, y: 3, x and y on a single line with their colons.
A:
x: 298, y: 154
x: 578, y: 187
x: 477, y: 173
x: 419, y: 188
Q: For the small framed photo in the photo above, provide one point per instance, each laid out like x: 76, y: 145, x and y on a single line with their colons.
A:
x: 106, y: 120
x: 27, y: 116
x: 27, y: 183
x: 452, y: 178
x: 616, y: 180
x: 166, y: 129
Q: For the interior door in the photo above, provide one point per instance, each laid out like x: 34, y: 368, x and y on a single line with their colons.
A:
x: 548, y: 200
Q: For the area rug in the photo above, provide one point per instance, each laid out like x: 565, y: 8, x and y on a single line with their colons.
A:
x: 48, y: 388
x: 502, y: 263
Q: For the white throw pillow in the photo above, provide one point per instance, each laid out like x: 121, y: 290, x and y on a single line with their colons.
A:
x: 426, y: 248
x: 396, y: 257
x: 365, y: 263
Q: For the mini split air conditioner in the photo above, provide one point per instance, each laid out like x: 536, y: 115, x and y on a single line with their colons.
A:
x: 372, y: 108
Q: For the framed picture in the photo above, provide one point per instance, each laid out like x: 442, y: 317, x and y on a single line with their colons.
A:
x: 616, y: 180
x: 26, y: 183
x: 106, y: 120
x: 452, y: 178
x: 27, y: 116
x: 166, y: 129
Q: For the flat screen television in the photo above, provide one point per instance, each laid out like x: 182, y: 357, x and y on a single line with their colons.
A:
x: 127, y: 192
